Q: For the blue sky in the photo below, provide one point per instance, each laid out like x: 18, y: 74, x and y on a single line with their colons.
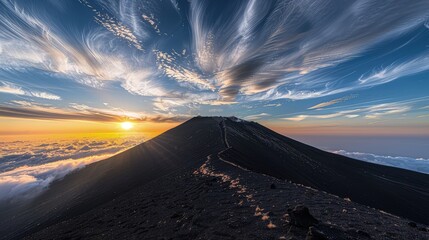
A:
x: 318, y: 65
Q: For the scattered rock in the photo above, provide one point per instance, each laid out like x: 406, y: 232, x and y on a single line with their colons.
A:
x: 363, y: 233
x: 176, y: 215
x: 271, y: 225
x: 273, y: 186
x: 412, y: 224
x: 357, y: 232
x: 300, y: 216
x: 314, y: 234
x: 423, y: 229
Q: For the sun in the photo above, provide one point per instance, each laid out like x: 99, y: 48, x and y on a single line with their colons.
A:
x: 127, y: 125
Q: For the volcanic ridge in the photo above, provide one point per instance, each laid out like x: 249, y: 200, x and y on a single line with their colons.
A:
x: 225, y: 178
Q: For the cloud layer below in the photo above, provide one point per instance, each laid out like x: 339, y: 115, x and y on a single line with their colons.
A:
x: 413, y: 164
x: 28, y: 167
x: 28, y: 181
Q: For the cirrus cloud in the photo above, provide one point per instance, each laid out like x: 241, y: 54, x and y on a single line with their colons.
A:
x: 11, y: 88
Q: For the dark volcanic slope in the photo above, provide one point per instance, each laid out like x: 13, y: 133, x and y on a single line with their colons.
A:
x: 220, y: 201
x: 102, y: 181
x: 401, y: 192
x: 151, y: 166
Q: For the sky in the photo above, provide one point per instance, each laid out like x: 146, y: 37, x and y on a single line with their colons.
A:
x: 337, y: 68
x: 350, y: 77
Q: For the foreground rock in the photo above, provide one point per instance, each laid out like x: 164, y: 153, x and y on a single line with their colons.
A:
x: 221, y: 201
x: 208, y: 179
x: 300, y: 216
x: 314, y: 234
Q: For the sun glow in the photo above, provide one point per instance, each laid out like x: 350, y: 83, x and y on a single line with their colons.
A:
x: 127, y: 125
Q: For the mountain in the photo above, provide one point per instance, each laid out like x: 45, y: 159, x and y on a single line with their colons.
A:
x: 225, y: 169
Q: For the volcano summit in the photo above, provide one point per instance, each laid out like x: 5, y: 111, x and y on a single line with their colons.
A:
x: 225, y: 178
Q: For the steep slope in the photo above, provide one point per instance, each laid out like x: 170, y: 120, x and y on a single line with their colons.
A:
x: 220, y: 201
x: 401, y: 192
x: 102, y: 181
x: 185, y: 148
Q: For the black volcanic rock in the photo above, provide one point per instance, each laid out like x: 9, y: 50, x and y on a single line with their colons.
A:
x: 412, y: 224
x: 154, y: 189
x: 393, y: 190
x: 102, y: 181
x: 314, y: 234
x: 300, y: 216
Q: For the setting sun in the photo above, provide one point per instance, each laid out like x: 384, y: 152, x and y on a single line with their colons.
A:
x: 127, y: 125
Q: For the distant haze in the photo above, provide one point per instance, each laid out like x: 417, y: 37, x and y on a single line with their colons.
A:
x: 416, y: 147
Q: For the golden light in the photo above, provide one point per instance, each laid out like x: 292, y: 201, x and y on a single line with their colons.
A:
x: 127, y: 125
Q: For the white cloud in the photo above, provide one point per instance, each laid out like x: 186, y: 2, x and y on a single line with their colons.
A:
x: 273, y: 105
x: 379, y: 110
x: 410, y: 163
x: 45, y: 95
x: 370, y: 112
x: 331, y: 102
x: 297, y: 118
x: 24, y: 109
x: 28, y: 167
x: 256, y: 116
x: 267, y: 50
x: 152, y: 21
x: 142, y: 82
x: 322, y: 116
x: 114, y: 26
x: 175, y: 68
x: 10, y: 88
x: 28, y: 181
x: 31, y: 40
x: 396, y: 71
x: 271, y: 51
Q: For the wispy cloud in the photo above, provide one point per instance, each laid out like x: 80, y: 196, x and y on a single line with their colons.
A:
x: 85, y: 113
x: 267, y: 45
x: 256, y: 116
x: 181, y: 71
x: 273, y: 105
x: 369, y: 112
x: 152, y: 21
x: 114, y: 26
x: 10, y: 88
x: 331, y: 102
x: 242, y: 52
x: 395, y: 71
x: 31, y: 40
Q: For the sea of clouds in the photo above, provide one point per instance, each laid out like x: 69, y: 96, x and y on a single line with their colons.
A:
x: 28, y: 167
x: 410, y: 163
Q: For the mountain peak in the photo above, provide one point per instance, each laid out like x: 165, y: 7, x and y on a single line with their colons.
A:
x: 232, y: 118
x: 202, y: 141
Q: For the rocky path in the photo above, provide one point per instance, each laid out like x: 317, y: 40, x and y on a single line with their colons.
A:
x: 220, y: 201
x: 216, y: 199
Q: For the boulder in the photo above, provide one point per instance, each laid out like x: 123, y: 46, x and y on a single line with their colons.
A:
x: 314, y: 234
x: 300, y: 216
